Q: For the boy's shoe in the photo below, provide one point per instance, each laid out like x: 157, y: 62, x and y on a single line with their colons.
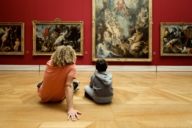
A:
x: 75, y: 85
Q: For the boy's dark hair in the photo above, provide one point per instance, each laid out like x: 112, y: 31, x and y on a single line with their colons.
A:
x: 101, y: 65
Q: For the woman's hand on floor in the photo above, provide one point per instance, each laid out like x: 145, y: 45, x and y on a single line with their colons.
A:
x: 73, y: 114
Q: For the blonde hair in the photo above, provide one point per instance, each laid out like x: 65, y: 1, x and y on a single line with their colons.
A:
x: 64, y: 55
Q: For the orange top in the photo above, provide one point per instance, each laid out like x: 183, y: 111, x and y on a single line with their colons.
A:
x: 54, y: 82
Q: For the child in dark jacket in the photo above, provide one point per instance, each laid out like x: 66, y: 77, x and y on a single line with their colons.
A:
x: 100, y: 89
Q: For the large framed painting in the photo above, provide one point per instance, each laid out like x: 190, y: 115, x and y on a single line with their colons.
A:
x: 11, y: 38
x: 176, y: 39
x: 122, y: 30
x: 48, y: 35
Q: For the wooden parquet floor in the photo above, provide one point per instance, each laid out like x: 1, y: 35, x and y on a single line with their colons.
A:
x: 141, y: 100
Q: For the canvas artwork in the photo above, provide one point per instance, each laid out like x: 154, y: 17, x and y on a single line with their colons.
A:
x: 122, y: 30
x: 176, y: 39
x: 48, y: 35
x: 11, y: 38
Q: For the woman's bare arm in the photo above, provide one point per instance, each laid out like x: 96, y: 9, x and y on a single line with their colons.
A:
x: 72, y: 113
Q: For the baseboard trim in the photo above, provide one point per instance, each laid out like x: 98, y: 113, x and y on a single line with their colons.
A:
x: 174, y: 68
x: 92, y: 68
x: 19, y: 67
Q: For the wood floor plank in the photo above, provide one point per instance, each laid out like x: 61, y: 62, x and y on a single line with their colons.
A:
x: 65, y: 124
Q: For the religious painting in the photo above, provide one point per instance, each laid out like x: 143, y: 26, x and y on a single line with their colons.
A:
x: 176, y: 39
x: 122, y: 30
x: 11, y: 38
x: 48, y: 35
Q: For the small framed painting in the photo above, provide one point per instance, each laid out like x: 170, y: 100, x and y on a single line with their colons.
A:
x: 48, y: 35
x: 11, y: 38
x: 176, y: 39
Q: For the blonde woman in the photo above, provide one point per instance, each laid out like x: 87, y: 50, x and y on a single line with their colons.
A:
x: 58, y: 78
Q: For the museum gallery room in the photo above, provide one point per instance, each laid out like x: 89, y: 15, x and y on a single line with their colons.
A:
x: 95, y: 64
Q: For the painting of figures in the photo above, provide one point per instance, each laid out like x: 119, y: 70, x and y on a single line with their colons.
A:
x: 48, y: 35
x: 176, y: 39
x: 122, y: 30
x: 11, y: 38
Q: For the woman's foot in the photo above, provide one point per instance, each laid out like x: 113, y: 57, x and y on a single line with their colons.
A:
x: 39, y: 84
x: 75, y: 85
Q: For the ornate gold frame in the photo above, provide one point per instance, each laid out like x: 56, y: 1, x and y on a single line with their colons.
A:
x: 96, y: 14
x: 40, y: 26
x: 12, y: 38
x: 176, y: 39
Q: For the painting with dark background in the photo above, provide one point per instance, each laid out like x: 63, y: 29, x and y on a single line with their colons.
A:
x: 11, y: 38
x: 176, y: 39
x: 48, y: 35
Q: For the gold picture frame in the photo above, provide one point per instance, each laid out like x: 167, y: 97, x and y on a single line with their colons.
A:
x: 11, y: 38
x: 122, y: 30
x: 47, y: 35
x: 176, y: 39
